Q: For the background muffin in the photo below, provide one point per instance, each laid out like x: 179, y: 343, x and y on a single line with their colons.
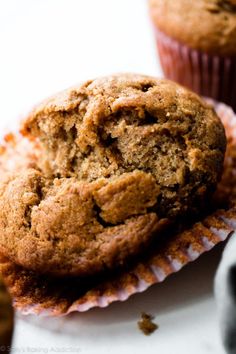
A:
x: 124, y: 155
x: 6, y: 319
x: 197, y: 44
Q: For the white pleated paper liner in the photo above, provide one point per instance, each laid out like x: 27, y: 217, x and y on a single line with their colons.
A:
x: 35, y: 294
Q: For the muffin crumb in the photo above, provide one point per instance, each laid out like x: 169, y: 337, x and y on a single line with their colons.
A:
x: 146, y: 325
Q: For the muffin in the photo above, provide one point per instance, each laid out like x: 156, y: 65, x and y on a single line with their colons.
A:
x: 110, y: 164
x: 196, y: 41
x: 41, y: 294
x: 6, y: 319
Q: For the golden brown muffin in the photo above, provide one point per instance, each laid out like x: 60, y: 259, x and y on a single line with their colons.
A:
x: 119, y: 158
x: 205, y: 25
x: 6, y: 319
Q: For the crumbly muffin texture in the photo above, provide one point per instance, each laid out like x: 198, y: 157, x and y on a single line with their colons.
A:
x: 206, y: 25
x: 115, y: 161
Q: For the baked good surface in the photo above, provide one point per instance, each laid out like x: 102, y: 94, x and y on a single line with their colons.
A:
x: 40, y: 294
x: 6, y: 319
x: 108, y: 166
x: 206, y: 25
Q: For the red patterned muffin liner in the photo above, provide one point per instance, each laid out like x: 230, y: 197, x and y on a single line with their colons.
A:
x: 34, y: 294
x: 208, y: 75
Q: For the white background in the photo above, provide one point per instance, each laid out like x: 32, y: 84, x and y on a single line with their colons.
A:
x: 48, y: 45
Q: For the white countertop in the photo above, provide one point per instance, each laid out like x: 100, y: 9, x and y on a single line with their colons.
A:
x: 48, y: 45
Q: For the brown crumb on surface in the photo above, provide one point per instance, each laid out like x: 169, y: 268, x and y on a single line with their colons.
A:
x: 146, y: 325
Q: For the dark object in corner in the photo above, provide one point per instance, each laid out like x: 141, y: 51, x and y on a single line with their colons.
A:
x: 225, y: 293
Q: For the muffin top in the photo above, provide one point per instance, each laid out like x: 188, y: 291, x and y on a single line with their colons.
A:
x: 6, y: 318
x: 117, y: 160
x: 205, y: 25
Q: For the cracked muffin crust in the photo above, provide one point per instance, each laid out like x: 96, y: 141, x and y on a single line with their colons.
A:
x: 114, y: 161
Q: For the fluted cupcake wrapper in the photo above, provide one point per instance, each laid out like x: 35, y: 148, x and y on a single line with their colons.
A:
x: 208, y: 75
x: 34, y: 294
